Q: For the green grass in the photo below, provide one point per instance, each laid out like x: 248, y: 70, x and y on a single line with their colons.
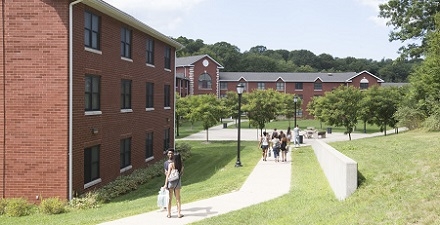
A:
x: 209, y: 172
x: 400, y: 177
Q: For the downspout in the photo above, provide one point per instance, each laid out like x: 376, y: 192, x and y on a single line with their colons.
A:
x: 71, y: 96
x: 4, y: 99
x: 174, y: 88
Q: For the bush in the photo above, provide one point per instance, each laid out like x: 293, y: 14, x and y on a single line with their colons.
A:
x: 184, y: 149
x: 16, y: 207
x: 409, y: 117
x: 2, y: 206
x: 52, y: 206
x: 89, y: 200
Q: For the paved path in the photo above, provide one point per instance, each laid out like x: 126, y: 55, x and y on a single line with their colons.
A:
x: 261, y: 185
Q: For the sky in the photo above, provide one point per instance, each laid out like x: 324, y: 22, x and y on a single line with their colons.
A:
x: 341, y: 28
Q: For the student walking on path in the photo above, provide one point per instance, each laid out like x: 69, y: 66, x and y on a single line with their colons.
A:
x: 264, y: 145
x: 296, y: 136
x: 174, y: 186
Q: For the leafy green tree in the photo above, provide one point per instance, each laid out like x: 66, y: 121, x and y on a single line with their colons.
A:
x: 252, y: 62
x: 207, y: 109
x: 339, y: 107
x: 262, y: 106
x: 382, y: 104
x: 411, y: 20
x: 183, y: 108
x: 303, y: 57
x: 226, y: 54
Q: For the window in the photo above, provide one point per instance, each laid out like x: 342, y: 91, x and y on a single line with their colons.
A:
x: 260, y: 86
x: 166, y: 139
x: 91, y: 31
x: 244, y: 85
x: 318, y: 86
x: 92, y: 93
x: 125, y: 153
x: 150, y: 51
x: 364, y: 86
x: 167, y: 57
x: 125, y: 42
x: 149, y: 145
x: 126, y: 94
x: 167, y: 96
x: 91, y: 164
x: 298, y: 86
x: 223, y: 86
x: 150, y: 95
x: 205, y: 81
x: 280, y: 86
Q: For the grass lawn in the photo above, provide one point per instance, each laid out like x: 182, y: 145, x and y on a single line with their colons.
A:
x: 209, y: 172
x: 400, y: 177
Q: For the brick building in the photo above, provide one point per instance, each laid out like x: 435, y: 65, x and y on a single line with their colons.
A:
x: 201, y: 74
x: 86, y: 94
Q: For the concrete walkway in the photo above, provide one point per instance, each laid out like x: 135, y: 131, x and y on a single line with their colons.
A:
x: 261, y: 185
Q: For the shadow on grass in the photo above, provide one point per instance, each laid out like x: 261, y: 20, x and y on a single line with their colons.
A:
x: 361, y: 179
x: 207, y: 158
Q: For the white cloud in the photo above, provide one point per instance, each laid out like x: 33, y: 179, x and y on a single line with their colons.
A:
x: 374, y: 4
x: 164, y: 15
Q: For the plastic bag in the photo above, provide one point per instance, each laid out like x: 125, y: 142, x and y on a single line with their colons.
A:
x: 162, y: 198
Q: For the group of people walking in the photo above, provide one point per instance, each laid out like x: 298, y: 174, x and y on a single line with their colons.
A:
x: 278, y: 143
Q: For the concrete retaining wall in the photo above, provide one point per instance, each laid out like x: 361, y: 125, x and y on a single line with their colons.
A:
x: 340, y: 170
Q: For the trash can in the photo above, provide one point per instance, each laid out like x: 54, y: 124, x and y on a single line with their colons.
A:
x: 301, y: 138
x: 225, y: 125
x: 329, y: 130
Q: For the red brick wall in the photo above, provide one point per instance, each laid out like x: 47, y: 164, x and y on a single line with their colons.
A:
x: 113, y: 125
x: 36, y: 118
x: 2, y: 107
x: 211, y: 69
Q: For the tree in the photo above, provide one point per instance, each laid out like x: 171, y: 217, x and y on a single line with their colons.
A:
x: 207, y: 109
x: 183, y: 108
x: 339, y: 107
x: 411, y: 20
x: 381, y: 105
x: 262, y: 106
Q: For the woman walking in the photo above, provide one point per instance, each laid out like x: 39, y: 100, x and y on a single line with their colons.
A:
x: 264, y: 144
x: 174, y: 186
x: 283, y: 148
x: 276, y: 148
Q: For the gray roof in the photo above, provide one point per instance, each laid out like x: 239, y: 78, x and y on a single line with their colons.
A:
x: 394, y: 84
x: 190, y: 60
x: 287, y: 77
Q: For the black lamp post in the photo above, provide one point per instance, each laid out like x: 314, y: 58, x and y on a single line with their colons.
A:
x: 240, y: 89
x: 295, y: 100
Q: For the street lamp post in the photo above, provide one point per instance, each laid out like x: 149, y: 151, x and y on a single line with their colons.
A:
x: 295, y: 100
x: 240, y: 89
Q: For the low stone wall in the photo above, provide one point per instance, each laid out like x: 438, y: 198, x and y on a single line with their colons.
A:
x: 340, y: 170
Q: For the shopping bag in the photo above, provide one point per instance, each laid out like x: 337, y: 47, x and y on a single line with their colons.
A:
x: 162, y: 198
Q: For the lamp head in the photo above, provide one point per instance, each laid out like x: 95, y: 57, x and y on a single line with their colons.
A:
x: 240, y: 88
x: 295, y: 99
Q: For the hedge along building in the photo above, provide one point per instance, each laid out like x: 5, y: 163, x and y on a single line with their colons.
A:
x: 201, y: 75
x: 87, y: 96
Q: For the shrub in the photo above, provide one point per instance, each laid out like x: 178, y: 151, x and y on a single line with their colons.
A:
x: 89, y: 200
x: 52, y: 206
x: 184, y: 149
x: 2, y: 206
x: 16, y: 207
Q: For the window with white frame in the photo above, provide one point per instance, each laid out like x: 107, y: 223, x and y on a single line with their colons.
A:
x: 298, y: 86
x: 150, y: 51
x: 91, y: 164
x: 125, y: 94
x: 317, y: 86
x: 149, y: 145
x: 125, y: 42
x: 125, y: 153
x: 91, y: 30
x: 260, y: 86
x: 280, y: 86
x: 223, y: 86
x: 167, y: 57
x: 205, y: 81
x: 149, y: 95
x: 92, y: 93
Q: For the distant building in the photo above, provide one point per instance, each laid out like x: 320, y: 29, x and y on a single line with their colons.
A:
x: 201, y: 75
x: 87, y: 96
